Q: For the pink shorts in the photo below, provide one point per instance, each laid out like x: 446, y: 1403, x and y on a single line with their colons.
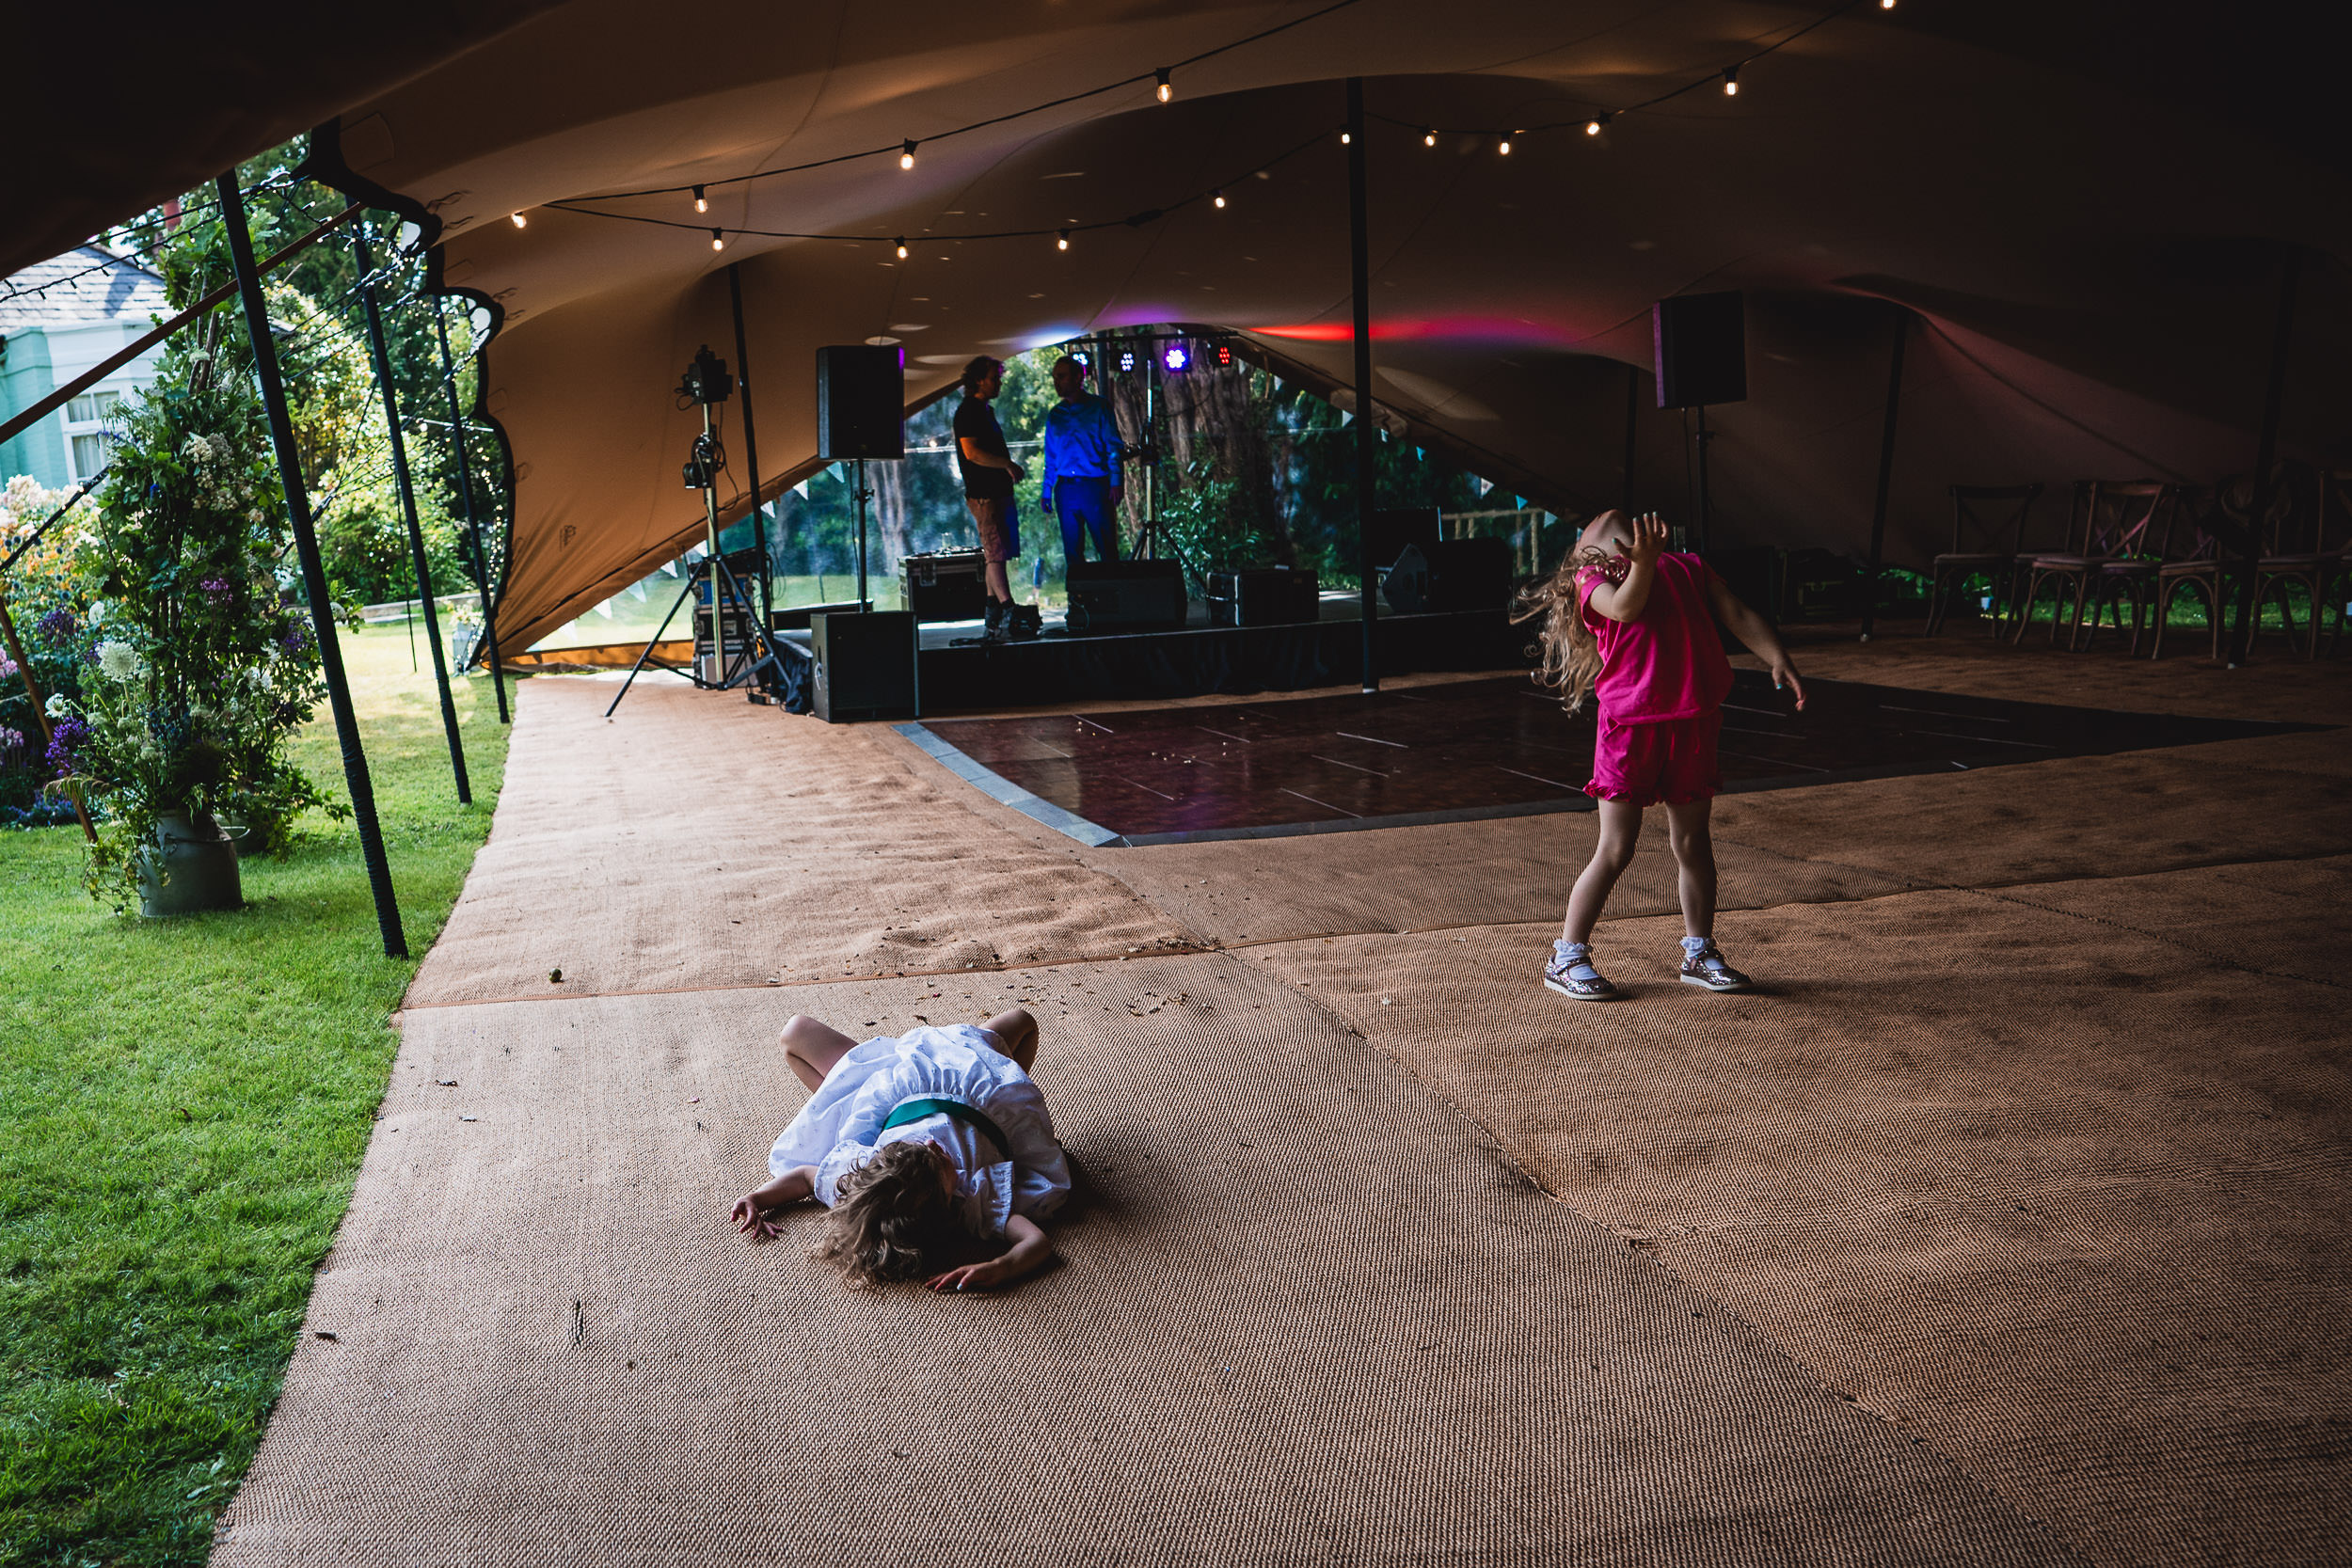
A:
x: 1671, y: 763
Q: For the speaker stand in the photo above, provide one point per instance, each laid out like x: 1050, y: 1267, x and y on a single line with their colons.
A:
x: 1704, y: 507
x: 863, y: 494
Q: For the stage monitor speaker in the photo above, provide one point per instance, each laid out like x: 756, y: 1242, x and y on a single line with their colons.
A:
x: 1450, y: 575
x: 1125, y: 596
x: 1702, y: 352
x: 1394, y: 527
x: 865, y: 665
x: 861, y: 402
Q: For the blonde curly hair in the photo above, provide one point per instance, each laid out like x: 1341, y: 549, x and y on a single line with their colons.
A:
x: 892, y: 1220
x: 1567, y: 653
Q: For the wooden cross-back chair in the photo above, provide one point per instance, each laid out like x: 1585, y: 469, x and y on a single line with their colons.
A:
x: 2109, y: 520
x: 2196, y: 564
x: 1988, y: 539
x: 2132, y: 574
x: 2298, y: 553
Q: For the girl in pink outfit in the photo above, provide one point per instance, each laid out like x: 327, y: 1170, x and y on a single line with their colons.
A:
x: 1633, y: 625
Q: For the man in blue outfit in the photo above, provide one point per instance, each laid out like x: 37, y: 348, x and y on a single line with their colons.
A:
x: 1082, y: 484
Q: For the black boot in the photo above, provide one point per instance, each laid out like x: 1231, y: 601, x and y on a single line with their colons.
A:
x: 993, y: 623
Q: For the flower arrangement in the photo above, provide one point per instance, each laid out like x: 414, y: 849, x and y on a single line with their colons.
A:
x: 196, y: 671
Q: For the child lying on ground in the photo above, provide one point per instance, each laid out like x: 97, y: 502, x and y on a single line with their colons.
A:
x: 1633, y: 625
x: 930, y: 1149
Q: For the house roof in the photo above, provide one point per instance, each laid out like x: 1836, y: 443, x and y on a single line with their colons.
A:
x: 86, y: 284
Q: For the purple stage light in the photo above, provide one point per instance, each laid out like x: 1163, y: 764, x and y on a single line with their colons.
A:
x: 1177, y: 358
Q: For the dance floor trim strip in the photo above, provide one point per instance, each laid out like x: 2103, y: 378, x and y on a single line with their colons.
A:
x: 1476, y: 752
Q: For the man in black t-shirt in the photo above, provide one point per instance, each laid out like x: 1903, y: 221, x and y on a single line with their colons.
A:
x: 988, y: 475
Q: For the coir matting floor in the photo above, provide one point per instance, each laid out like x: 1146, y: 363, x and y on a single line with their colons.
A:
x: 1480, y: 748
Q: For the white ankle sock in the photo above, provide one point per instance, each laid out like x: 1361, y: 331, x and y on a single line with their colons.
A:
x: 1578, y: 956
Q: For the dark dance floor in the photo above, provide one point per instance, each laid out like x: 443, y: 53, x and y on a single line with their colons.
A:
x: 1477, y: 749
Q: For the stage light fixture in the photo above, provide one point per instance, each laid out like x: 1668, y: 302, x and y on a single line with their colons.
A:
x: 519, y: 221
x: 1177, y: 358
x: 902, y: 248
x: 718, y: 240
x: 1731, y: 82
x: 1217, y: 197
x: 1126, y: 361
x: 1167, y: 90
x: 1083, y: 358
x: 906, y: 158
x: 1224, y: 356
x: 1061, y: 239
x: 1429, y: 138
x: 702, y: 204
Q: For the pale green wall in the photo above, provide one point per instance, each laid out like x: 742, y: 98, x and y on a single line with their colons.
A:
x: 24, y: 380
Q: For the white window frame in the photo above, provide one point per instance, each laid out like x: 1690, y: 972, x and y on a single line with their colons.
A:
x: 107, y: 423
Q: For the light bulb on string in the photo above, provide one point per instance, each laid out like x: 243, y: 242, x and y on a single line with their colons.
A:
x: 1346, y: 137
x: 1731, y: 82
x: 1167, y: 89
x: 1429, y: 138
x: 906, y: 158
x: 702, y: 203
x: 1217, y: 197
x: 519, y: 221
x: 1504, y: 146
x: 902, y: 248
x: 1061, y: 239
x: 1887, y: 4
x: 1594, y: 126
x: 718, y: 240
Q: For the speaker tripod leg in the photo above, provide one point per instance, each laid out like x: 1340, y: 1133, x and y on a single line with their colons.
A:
x: 684, y: 594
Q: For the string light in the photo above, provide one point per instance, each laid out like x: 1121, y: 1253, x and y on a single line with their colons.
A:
x: 1504, y: 146
x: 1429, y: 138
x: 901, y: 242
x: 1887, y: 4
x: 1731, y: 82
x: 1346, y: 137
x: 1217, y: 197
x: 519, y: 221
x: 1167, y: 90
x: 1593, y: 127
x: 1061, y: 239
x: 718, y: 240
x: 702, y: 203
x: 906, y: 156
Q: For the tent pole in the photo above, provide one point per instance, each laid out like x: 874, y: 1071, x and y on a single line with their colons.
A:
x: 313, y: 571
x: 1359, y: 279
x: 1704, y: 504
x: 473, y: 522
x: 408, y: 508
x: 751, y: 443
x: 40, y: 716
x: 1886, y: 474
x: 2266, y: 456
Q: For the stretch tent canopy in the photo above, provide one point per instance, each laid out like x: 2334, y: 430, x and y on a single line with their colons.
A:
x: 2082, y: 210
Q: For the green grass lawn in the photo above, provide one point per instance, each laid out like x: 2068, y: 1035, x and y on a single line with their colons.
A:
x: 183, y: 1109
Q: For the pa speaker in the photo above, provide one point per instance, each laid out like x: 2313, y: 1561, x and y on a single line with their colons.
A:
x: 1395, y: 527
x: 861, y: 402
x: 1125, y: 596
x: 1702, y: 350
x: 1450, y: 575
x: 865, y: 665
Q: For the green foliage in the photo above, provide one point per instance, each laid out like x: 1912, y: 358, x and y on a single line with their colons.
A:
x: 1210, y: 525
x: 201, y: 673
x: 183, y: 1106
x: 364, y: 543
x: 48, y: 593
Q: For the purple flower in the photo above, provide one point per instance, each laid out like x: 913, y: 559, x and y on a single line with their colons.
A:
x: 58, y: 625
x: 11, y: 743
x: 295, y: 638
x: 8, y: 668
x: 217, y: 590
x: 64, y: 736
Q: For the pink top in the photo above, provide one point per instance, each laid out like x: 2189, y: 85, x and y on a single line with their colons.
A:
x: 1667, y: 664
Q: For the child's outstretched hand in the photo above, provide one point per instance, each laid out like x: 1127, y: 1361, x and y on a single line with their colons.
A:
x: 753, y: 1220
x: 972, y: 1276
x: 1784, y: 674
x: 1649, y: 538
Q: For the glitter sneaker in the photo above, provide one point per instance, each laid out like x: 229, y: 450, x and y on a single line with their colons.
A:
x: 1572, y: 975
x: 1705, y: 966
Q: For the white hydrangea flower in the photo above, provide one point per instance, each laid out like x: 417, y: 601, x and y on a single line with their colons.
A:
x: 119, y: 661
x: 199, y: 450
x: 96, y: 616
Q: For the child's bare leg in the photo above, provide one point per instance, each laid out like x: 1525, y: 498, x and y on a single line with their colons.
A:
x: 1689, y: 830
x: 1016, y: 1034
x: 810, y: 1049
x: 1620, y: 830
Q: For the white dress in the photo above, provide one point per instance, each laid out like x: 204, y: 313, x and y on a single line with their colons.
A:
x: 841, y: 1126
